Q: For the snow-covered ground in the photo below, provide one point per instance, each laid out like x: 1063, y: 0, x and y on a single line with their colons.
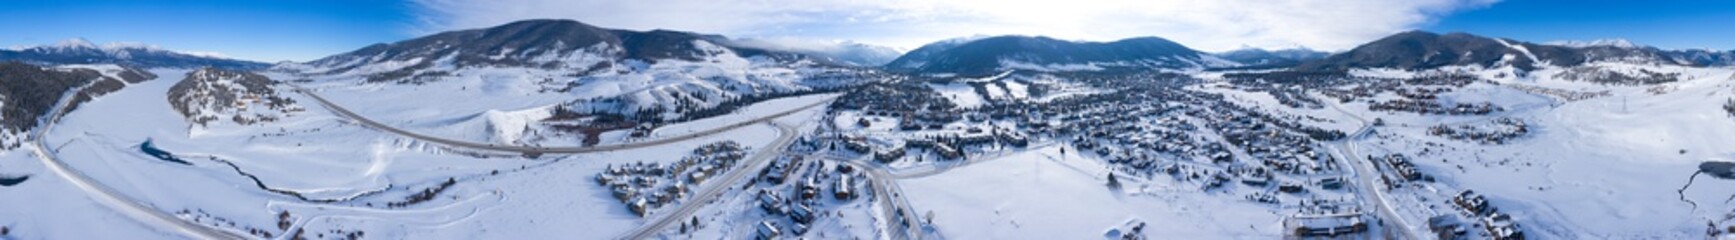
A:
x: 1589, y: 168
x: 1044, y: 195
x: 48, y: 207
x: 242, y: 177
x: 959, y: 93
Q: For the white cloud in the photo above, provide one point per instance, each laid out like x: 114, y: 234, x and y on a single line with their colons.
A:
x: 1213, y: 25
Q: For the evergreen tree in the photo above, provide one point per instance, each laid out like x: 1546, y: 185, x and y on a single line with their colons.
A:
x: 1113, y: 182
x: 1730, y: 107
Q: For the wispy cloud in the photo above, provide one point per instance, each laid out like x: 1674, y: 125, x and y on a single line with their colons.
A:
x: 1214, y: 25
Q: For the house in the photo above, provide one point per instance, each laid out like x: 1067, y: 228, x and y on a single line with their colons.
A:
x: 770, y: 202
x: 624, y: 193
x: 639, y: 205
x: 1472, y: 203
x: 809, y: 188
x: 844, y: 188
x: 1447, y: 227
x: 641, y: 131
x: 1502, y: 227
x: 776, y: 172
x: 1290, y: 188
x: 948, y: 152
x: 801, y: 213
x: 889, y: 155
x: 857, y: 144
x: 1014, y: 139
x: 1326, y: 226
x: 1331, y: 183
x: 767, y: 230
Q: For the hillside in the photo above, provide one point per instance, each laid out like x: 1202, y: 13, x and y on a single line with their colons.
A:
x: 995, y: 54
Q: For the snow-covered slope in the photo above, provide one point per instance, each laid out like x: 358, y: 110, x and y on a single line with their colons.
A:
x: 29, y: 92
x: 211, y: 94
x: 1419, y: 50
x: 995, y: 54
x: 655, y: 75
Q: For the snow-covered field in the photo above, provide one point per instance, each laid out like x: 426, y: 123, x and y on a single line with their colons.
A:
x: 348, y: 175
x: 1589, y: 168
x: 1044, y: 195
x: 48, y: 207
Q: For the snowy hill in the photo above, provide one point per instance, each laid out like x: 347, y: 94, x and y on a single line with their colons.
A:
x: 846, y: 52
x: 1426, y: 50
x: 80, y: 51
x: 563, y: 77
x: 995, y: 54
x: 30, y: 92
x: 1272, y: 58
x: 243, y: 98
x: 915, y: 59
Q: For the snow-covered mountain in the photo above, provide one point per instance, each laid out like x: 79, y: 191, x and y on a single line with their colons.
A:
x: 1272, y: 58
x: 80, y: 51
x: 915, y: 59
x: 661, y: 74
x: 1608, y: 42
x: 848, y: 52
x: 1425, y: 50
x: 996, y: 54
x: 564, y: 45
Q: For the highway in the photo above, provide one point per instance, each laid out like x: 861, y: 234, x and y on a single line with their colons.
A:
x: 718, y: 186
x: 686, y: 209
x: 343, y: 112
x: 1367, y: 176
x: 108, y: 196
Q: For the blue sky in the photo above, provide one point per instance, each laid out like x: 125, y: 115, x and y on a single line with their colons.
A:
x: 274, y: 30
x: 1662, y: 23
x: 265, y: 30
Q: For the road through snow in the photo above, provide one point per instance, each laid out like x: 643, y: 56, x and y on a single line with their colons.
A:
x: 108, y: 196
x: 364, y: 121
x: 688, y: 207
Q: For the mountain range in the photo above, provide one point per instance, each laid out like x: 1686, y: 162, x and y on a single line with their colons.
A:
x: 995, y: 54
x: 586, y: 49
x: 612, y: 71
x: 1424, y: 50
x: 80, y: 51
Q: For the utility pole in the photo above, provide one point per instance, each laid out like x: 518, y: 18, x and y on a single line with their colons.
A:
x: 1624, y: 104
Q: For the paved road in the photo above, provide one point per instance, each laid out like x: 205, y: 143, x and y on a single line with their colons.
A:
x: 540, y: 150
x: 704, y: 196
x: 108, y: 196
x: 1367, y: 176
x: 889, y: 195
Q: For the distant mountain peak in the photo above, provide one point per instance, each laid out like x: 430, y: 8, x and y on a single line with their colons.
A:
x: 1606, y: 42
x: 76, y: 43
x: 83, y: 51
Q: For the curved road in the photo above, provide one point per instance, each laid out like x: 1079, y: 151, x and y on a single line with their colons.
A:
x: 884, y: 190
x: 108, y: 196
x: 717, y: 188
x: 1366, y: 174
x: 540, y: 150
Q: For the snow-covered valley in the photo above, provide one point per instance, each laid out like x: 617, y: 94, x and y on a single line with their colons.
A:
x: 556, y: 129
